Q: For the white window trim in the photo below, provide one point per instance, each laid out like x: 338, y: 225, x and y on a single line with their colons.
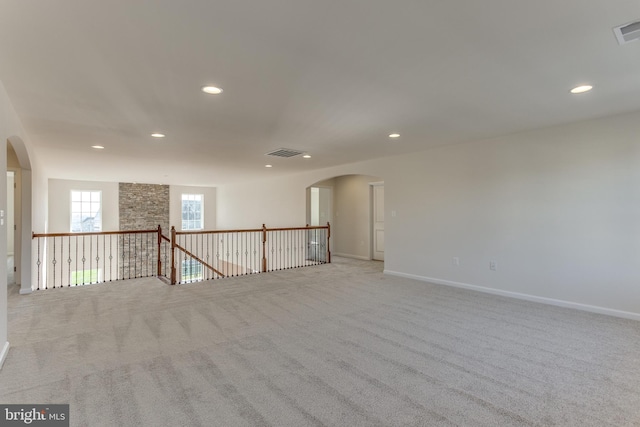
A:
x: 201, y: 211
x: 71, y: 208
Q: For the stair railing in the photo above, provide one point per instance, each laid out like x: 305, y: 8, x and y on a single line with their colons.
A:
x: 73, y: 259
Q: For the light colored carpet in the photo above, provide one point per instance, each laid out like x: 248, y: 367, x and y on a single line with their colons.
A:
x: 337, y: 344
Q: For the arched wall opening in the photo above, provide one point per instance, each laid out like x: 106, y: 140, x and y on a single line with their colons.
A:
x: 348, y: 203
x: 19, y: 164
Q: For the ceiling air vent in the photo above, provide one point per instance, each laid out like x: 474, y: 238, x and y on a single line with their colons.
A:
x: 284, y: 152
x: 628, y: 32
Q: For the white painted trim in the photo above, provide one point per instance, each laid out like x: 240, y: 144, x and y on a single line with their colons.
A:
x: 364, y: 258
x: 25, y: 291
x: 4, y: 353
x: 517, y: 295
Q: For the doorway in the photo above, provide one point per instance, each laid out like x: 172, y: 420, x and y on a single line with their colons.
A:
x: 319, y: 208
x: 10, y: 221
x: 377, y: 221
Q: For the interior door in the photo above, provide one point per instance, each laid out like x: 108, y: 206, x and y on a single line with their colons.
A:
x: 378, y: 222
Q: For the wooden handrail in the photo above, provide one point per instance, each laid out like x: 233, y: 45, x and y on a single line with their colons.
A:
x: 250, y: 230
x: 94, y: 233
x: 253, y: 230
x: 308, y: 227
x: 198, y: 259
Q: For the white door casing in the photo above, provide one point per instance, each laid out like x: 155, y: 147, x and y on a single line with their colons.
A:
x: 377, y: 252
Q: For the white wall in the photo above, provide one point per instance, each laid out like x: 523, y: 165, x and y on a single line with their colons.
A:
x: 10, y: 128
x: 36, y: 183
x: 558, y: 209
x: 278, y: 202
x: 175, y: 210
x: 60, y: 203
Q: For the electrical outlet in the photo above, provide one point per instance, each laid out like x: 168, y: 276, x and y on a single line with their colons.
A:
x: 493, y: 265
x: 456, y: 261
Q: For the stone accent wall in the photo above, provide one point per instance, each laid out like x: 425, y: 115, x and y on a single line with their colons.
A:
x: 142, y: 207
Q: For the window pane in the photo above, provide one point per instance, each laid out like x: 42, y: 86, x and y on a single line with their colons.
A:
x: 192, y: 207
x: 86, y: 211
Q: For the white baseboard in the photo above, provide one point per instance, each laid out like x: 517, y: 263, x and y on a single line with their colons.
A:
x: 517, y: 295
x: 25, y: 291
x: 5, y: 352
x: 364, y: 258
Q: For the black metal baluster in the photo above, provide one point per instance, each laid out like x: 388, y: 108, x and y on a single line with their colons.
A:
x: 218, y: 243
x: 226, y: 241
x: 279, y: 233
x: 62, y: 261
x: 69, y: 259
x: 104, y: 258
x: 146, y: 265
x: 290, y: 248
x: 38, y: 263
x: 90, y: 258
x: 54, y: 262
x: 111, y: 258
x: 122, y: 254
x: 135, y: 255
x: 236, y: 266
x: 84, y: 260
x: 280, y: 246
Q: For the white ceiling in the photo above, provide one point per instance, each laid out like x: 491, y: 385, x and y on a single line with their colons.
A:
x: 331, y: 77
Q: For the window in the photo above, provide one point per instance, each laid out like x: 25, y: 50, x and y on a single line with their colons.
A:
x: 191, y: 271
x: 192, y: 208
x: 86, y: 211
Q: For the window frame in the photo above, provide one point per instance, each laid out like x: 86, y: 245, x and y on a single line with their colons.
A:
x: 191, y: 197
x: 82, y: 201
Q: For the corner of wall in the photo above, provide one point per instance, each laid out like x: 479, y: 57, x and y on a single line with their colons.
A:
x: 4, y: 353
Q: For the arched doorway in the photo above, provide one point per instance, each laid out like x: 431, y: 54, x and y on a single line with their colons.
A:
x: 347, y: 201
x: 19, y: 164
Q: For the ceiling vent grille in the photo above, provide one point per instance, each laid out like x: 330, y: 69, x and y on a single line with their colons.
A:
x: 284, y: 152
x: 628, y: 32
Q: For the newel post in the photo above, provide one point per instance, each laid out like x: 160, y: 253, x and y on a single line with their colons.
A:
x: 264, y: 248
x: 173, y: 255
x: 328, y: 248
x: 159, y: 271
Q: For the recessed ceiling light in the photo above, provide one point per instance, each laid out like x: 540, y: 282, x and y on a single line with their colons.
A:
x: 158, y: 135
x: 98, y: 147
x: 581, y: 89
x: 307, y: 156
x: 394, y: 135
x: 268, y: 166
x: 212, y: 90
